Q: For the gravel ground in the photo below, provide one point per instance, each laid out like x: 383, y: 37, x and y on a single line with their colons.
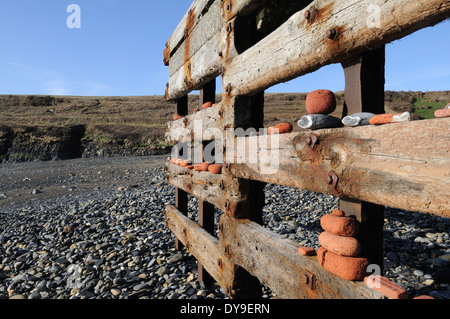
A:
x: 94, y: 228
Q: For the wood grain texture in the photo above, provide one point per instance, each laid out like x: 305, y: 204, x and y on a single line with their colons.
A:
x: 276, y: 262
x: 202, y: 245
x: 394, y: 165
x: 299, y: 47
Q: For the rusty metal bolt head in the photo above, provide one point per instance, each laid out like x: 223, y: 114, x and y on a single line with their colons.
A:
x: 221, y: 186
x: 330, y: 179
x: 227, y: 166
x: 307, y: 14
x: 311, y: 141
x: 331, y: 34
x: 229, y: 6
x: 227, y: 204
x: 229, y: 27
x: 220, y: 113
x: 228, y: 88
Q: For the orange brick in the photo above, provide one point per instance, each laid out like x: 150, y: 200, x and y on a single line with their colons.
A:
x: 215, y: 168
x: 341, y: 226
x: 348, y: 268
x: 306, y: 251
x: 386, y: 287
x: 206, y: 105
x: 442, y: 113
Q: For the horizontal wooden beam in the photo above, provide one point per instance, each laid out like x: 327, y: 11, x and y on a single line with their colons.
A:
x: 203, y: 246
x: 402, y: 165
x: 277, y: 263
x: 186, y: 26
x: 226, y: 193
x: 212, y: 123
x: 341, y: 29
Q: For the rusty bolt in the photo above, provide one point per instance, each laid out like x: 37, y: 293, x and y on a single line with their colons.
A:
x: 227, y: 251
x: 228, y: 88
x: 227, y: 204
x: 229, y: 27
x: 221, y: 186
x: 311, y: 141
x: 227, y: 166
x: 219, y: 263
x: 185, y: 121
x: 220, y: 113
x: 307, y: 14
x: 229, y: 6
x: 332, y: 179
x: 331, y: 34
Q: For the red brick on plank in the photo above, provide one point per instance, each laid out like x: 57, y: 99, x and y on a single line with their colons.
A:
x: 386, y: 287
x: 306, y: 251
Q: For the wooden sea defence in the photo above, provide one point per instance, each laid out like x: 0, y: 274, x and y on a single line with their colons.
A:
x: 254, y: 45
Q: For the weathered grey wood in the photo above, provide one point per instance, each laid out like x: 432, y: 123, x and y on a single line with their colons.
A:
x: 202, y: 245
x: 206, y: 186
x: 213, y: 123
x: 196, y: 35
x: 299, y: 47
x: 402, y: 165
x: 206, y: 249
x: 189, y: 21
x: 276, y: 262
x: 196, y: 69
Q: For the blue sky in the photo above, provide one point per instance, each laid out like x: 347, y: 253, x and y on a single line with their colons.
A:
x: 118, y: 51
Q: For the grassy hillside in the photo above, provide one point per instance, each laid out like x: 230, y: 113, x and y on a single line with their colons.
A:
x: 129, y: 122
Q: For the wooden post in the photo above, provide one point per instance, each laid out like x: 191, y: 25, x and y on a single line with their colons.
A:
x: 181, y: 197
x: 364, y: 92
x: 205, y: 209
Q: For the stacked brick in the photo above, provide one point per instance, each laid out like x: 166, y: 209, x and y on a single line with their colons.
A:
x: 340, y: 250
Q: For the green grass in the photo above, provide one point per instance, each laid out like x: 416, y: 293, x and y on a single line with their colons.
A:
x: 426, y: 108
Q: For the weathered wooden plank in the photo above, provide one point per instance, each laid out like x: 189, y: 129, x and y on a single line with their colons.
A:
x: 197, y: 69
x: 196, y: 12
x: 232, y: 199
x: 213, y: 123
x: 207, y: 24
x: 276, y: 262
x: 188, y: 23
x: 300, y: 46
x: 403, y: 165
x: 202, y: 245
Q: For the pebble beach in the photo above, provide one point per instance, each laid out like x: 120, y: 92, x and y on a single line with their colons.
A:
x: 95, y: 229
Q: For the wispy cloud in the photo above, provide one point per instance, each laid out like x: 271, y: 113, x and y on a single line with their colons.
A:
x: 47, y: 81
x: 56, y: 87
x: 96, y: 89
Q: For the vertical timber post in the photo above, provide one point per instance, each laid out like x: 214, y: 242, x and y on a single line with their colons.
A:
x: 181, y: 197
x: 205, y: 209
x: 364, y: 92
